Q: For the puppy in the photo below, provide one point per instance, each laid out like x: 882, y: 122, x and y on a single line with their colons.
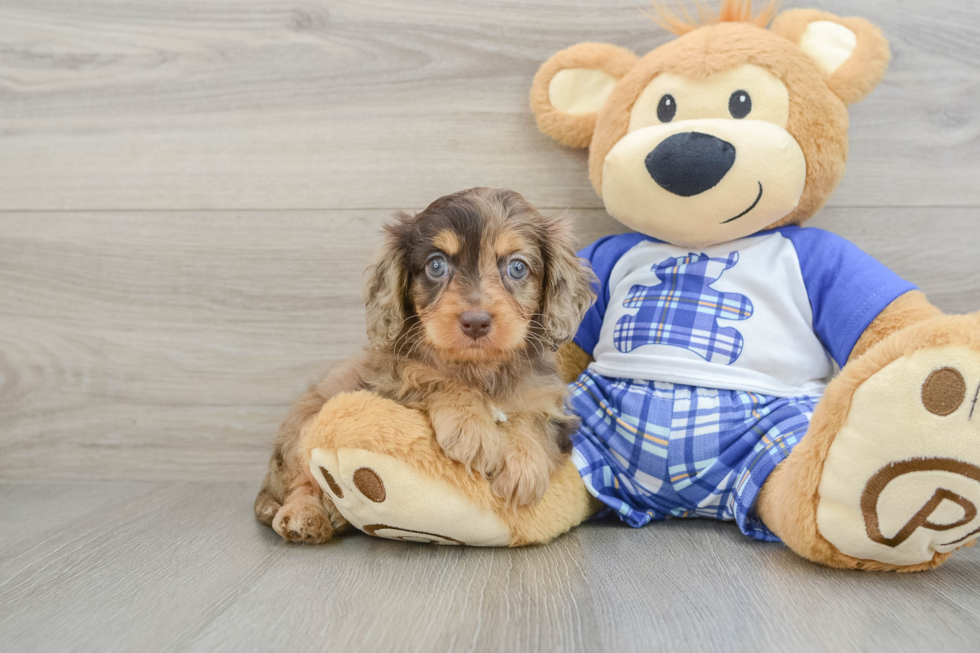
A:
x: 466, y: 307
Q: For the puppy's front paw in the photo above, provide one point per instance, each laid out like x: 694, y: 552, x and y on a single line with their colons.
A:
x: 476, y: 446
x: 303, y: 520
x: 524, y: 477
x: 266, y: 508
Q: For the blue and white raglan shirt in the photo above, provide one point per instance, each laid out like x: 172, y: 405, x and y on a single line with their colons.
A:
x: 709, y: 364
x: 766, y: 314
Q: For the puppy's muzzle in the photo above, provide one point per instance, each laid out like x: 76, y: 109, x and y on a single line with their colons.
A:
x: 474, y: 324
x: 691, y: 163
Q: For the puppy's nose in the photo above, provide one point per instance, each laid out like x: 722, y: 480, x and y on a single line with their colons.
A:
x: 475, y: 325
x: 691, y: 163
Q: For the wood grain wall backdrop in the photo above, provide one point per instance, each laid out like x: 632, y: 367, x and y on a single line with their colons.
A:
x: 190, y: 191
x: 217, y: 104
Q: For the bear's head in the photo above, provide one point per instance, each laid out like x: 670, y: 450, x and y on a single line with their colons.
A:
x: 728, y: 130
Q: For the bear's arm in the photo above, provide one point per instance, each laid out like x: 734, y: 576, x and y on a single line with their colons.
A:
x: 572, y: 361
x: 601, y: 256
x: 853, y: 296
x: 909, y: 309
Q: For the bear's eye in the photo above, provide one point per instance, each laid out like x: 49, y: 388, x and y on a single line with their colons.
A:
x: 667, y: 108
x: 740, y: 104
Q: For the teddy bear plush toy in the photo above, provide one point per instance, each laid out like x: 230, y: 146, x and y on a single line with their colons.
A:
x: 704, y: 373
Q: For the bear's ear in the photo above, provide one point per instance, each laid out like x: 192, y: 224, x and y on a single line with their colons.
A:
x: 852, y: 54
x: 572, y: 86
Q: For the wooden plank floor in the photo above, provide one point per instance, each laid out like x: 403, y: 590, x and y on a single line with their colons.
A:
x: 118, y: 566
x: 189, y: 193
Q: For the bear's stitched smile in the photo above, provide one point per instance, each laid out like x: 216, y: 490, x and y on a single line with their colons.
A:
x: 748, y: 210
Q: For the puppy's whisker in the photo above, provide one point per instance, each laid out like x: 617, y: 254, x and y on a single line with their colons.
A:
x: 397, y: 344
x: 418, y: 346
x: 527, y: 356
x: 411, y: 352
x: 408, y: 355
x: 563, y: 335
x: 411, y: 332
x: 537, y: 338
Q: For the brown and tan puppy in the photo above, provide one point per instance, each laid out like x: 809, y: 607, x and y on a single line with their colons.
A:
x: 466, y: 307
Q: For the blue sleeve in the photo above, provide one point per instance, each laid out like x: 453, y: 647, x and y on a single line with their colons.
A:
x: 602, y: 255
x: 848, y: 289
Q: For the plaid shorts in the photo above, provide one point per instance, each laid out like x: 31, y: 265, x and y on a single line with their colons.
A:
x: 652, y: 450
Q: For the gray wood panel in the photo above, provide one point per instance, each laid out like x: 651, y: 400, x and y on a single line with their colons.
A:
x: 210, y: 104
x: 168, y: 345
x: 160, y: 567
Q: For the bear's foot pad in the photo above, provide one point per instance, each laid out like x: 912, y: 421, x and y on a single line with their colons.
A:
x: 901, y: 482
x: 386, y: 497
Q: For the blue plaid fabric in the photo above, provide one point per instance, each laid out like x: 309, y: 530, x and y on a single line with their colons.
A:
x: 652, y: 450
x: 683, y: 310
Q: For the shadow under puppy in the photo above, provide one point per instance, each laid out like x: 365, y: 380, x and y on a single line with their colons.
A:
x: 466, y: 307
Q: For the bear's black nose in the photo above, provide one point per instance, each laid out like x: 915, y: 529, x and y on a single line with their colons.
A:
x: 691, y: 163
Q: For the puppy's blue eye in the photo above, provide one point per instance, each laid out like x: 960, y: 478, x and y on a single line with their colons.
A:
x: 436, y: 267
x: 517, y: 269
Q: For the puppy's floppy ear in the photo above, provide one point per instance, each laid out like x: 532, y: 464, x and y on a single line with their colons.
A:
x: 569, y: 283
x: 386, y: 291
x: 573, y: 85
x: 852, y: 53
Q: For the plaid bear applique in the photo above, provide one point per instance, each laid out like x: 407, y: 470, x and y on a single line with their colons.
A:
x: 683, y: 311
